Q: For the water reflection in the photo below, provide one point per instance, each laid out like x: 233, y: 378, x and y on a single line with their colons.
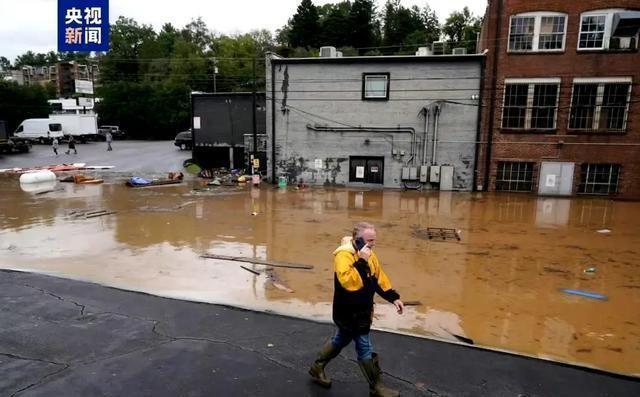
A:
x: 499, y: 286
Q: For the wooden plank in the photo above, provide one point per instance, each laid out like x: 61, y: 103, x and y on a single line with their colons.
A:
x: 258, y: 261
x: 250, y: 270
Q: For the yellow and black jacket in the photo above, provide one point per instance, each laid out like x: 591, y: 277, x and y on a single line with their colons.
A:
x: 355, y: 282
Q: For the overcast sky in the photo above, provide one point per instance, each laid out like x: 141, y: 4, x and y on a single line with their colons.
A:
x: 31, y: 24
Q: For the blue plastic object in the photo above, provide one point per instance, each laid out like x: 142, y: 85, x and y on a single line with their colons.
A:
x: 586, y: 294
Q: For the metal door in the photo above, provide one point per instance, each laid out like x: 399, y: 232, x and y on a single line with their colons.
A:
x: 366, y: 169
x: 556, y: 179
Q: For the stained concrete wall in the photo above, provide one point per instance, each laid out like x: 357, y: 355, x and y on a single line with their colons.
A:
x: 317, y: 92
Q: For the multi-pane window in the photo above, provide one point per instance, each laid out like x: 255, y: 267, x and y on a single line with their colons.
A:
x: 521, y: 33
x: 538, y: 31
x: 592, y: 28
x: 551, y: 33
x: 530, y: 105
x: 599, y: 178
x: 599, y: 105
x: 514, y: 176
x: 375, y: 86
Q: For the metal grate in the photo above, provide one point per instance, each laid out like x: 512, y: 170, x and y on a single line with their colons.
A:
x: 514, y: 176
x: 599, y: 179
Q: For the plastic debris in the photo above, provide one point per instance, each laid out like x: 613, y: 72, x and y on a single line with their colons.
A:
x: 254, y: 213
x: 590, y: 270
x: 270, y: 345
x: 604, y: 231
x: 586, y: 294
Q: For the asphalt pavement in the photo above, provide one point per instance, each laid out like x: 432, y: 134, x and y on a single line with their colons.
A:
x: 127, y: 156
x: 60, y: 337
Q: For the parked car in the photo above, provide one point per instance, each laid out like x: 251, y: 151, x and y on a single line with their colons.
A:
x: 116, y: 132
x: 184, y: 140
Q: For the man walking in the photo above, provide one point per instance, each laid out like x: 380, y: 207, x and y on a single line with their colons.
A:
x: 358, y: 276
x: 72, y: 145
x: 109, y: 139
x: 54, y: 145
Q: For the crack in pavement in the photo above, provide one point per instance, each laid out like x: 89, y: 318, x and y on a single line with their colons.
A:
x: 43, y: 378
x: 44, y: 291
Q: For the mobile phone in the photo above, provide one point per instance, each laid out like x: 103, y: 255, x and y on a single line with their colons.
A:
x: 360, y: 243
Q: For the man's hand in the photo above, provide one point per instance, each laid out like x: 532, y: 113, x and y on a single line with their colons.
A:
x: 399, y: 306
x: 365, y: 253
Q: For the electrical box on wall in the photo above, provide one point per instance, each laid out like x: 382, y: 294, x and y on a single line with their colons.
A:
x: 434, y: 174
x: 424, y: 173
x: 446, y: 177
x: 405, y: 173
x: 413, y: 173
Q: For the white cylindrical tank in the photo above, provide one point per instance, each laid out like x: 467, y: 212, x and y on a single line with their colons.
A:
x: 37, y: 177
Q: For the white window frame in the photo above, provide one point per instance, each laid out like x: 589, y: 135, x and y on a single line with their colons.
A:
x: 608, y: 26
x: 536, y: 31
x: 586, y: 183
x: 601, y: 81
x: 368, y: 96
x: 532, y: 82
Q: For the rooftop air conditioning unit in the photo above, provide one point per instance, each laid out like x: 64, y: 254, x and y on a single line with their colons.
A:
x: 439, y: 47
x: 328, y: 52
x: 338, y: 54
x: 459, y: 51
x: 423, y: 51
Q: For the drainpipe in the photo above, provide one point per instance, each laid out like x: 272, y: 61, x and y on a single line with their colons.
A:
x: 493, y: 87
x: 427, y: 115
x: 436, y: 117
x: 273, y: 123
x: 478, y: 127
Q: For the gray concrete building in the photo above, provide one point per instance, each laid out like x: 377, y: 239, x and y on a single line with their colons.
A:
x: 389, y: 121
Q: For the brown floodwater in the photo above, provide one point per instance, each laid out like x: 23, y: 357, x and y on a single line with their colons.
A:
x: 501, y: 285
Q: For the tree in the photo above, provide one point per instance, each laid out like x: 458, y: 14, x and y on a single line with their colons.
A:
x: 305, y: 26
x: 461, y: 29
x: 18, y: 103
x: 5, y: 64
x: 364, y: 31
x: 399, y: 23
x: 335, y: 24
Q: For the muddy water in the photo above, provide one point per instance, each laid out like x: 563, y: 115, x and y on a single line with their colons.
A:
x: 500, y: 285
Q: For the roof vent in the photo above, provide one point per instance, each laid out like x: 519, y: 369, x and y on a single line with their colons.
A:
x: 459, y: 51
x: 439, y: 47
x: 423, y: 52
x: 328, y: 52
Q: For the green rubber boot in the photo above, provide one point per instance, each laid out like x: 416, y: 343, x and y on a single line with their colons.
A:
x: 371, y: 370
x: 327, y: 353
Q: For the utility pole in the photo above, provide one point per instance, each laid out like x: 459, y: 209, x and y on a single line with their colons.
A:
x: 215, y: 72
x: 255, y: 124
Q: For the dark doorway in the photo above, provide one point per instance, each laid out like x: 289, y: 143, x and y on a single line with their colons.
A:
x: 366, y: 169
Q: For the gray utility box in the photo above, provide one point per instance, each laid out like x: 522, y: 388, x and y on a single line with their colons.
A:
x: 434, y: 174
x: 446, y: 177
x: 409, y: 173
x: 424, y: 173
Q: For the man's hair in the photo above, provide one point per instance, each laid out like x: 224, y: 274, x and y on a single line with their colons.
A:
x: 359, y: 227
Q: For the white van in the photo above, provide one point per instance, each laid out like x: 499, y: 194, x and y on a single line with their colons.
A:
x: 41, y: 130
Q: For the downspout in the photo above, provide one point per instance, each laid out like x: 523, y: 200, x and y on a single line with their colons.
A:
x: 478, y: 127
x: 493, y: 96
x: 436, y: 117
x: 427, y: 115
x: 273, y: 123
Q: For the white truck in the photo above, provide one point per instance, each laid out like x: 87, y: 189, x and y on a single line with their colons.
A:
x: 83, y: 127
x: 41, y: 130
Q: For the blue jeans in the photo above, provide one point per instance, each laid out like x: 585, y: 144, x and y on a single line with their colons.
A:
x: 364, y: 348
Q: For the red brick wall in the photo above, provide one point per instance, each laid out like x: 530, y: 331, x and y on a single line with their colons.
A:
x: 623, y: 149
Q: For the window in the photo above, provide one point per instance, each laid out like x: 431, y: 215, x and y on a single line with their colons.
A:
x: 592, y: 31
x: 537, y: 31
x: 615, y: 29
x: 599, y: 104
x: 530, y: 104
x: 599, y: 179
x: 375, y: 86
x: 514, y: 176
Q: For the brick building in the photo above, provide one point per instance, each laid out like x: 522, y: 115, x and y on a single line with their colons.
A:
x: 561, y: 97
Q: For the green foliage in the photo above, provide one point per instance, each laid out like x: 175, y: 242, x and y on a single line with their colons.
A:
x: 305, y: 26
x: 461, y: 29
x: 18, y: 103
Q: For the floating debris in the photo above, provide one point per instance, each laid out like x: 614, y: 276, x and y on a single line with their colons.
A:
x: 437, y: 234
x: 604, y: 231
x: 586, y: 294
x: 258, y: 261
